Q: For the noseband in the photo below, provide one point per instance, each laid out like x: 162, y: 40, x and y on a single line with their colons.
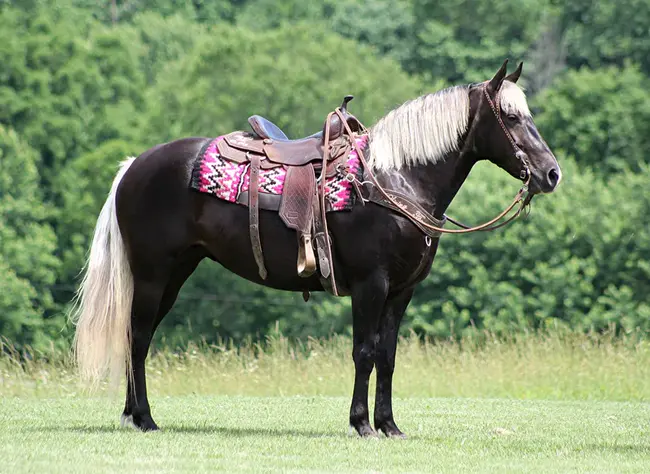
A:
x: 432, y: 226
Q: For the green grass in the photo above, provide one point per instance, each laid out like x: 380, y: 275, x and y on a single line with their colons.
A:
x: 536, y: 403
x: 529, y: 366
x: 279, y: 434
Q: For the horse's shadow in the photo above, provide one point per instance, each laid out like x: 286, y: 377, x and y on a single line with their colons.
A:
x: 243, y: 432
x: 202, y: 429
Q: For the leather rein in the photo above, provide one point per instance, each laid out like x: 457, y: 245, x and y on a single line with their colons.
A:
x: 429, y: 224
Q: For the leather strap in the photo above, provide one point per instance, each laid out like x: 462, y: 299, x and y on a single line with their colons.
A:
x: 253, y: 208
x: 522, y: 198
x: 404, y: 205
x: 319, y: 240
x: 323, y: 183
x: 269, y: 202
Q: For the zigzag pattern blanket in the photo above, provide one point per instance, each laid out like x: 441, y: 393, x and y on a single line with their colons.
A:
x: 227, y: 180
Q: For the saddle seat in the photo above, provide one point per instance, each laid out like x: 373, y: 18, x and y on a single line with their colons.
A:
x: 280, y: 149
x: 264, y: 128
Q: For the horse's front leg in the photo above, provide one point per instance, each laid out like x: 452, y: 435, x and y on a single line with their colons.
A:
x: 368, y: 298
x: 385, y: 362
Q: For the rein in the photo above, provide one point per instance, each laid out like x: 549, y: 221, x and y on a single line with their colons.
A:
x: 430, y: 225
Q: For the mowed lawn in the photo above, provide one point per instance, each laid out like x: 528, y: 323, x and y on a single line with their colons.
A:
x: 299, y: 434
x: 535, y: 404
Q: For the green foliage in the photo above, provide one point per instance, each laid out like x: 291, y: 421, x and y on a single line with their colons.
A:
x: 607, y: 32
x: 576, y: 265
x: 269, y: 14
x: 276, y: 73
x: 601, y: 117
x: 467, y: 41
x: 64, y: 88
x: 387, y: 25
x: 85, y: 83
x: 125, y: 11
x: 164, y: 40
x: 84, y: 185
x: 27, y: 244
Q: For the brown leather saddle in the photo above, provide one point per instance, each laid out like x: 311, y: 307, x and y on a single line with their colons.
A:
x: 302, y: 206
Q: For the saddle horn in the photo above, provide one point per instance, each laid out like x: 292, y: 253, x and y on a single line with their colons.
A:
x: 346, y: 100
x: 336, y: 127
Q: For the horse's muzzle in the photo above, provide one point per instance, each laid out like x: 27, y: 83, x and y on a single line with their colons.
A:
x: 545, y: 181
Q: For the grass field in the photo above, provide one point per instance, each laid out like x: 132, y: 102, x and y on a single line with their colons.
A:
x: 266, y: 434
x: 534, y: 404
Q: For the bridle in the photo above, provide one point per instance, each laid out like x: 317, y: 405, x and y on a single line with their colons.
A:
x: 522, y: 196
x: 430, y: 225
x: 519, y: 154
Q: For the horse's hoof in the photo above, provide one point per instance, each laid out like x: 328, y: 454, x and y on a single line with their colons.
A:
x: 391, y: 431
x: 366, y: 431
x: 141, y: 423
x: 395, y: 435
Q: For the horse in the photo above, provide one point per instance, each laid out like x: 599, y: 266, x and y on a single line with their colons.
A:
x: 153, y: 231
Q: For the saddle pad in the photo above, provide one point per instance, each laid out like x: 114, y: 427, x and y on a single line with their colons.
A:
x: 226, y: 180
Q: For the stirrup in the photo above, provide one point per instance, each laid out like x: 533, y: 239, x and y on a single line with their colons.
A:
x: 306, y: 257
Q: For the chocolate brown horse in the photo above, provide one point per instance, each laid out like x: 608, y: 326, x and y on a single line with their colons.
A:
x: 154, y: 230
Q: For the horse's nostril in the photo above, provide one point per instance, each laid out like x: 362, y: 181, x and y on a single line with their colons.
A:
x: 553, y: 177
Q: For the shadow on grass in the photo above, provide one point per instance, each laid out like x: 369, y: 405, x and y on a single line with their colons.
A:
x: 252, y: 432
x: 206, y: 429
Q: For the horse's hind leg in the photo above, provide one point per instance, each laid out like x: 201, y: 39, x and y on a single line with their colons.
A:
x: 136, y: 408
x: 147, y: 295
x: 182, y: 271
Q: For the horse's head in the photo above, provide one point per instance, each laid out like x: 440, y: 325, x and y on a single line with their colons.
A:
x: 506, y: 134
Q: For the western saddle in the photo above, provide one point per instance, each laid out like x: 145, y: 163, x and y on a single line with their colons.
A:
x: 302, y: 206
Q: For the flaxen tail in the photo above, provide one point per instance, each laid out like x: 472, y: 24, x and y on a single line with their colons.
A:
x: 102, y: 310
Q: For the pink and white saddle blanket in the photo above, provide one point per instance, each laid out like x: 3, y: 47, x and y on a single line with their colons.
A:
x: 230, y: 181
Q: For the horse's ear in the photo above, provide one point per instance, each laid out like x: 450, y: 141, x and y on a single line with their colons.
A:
x: 514, y: 77
x: 497, y: 80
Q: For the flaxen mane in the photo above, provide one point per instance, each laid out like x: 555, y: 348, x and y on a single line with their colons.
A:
x: 426, y: 129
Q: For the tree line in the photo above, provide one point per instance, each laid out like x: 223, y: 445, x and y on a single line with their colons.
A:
x: 85, y: 83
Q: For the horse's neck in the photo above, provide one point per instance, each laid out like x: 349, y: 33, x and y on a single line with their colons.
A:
x: 434, y: 186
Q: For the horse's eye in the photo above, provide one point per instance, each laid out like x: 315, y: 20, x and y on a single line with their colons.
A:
x: 512, y: 117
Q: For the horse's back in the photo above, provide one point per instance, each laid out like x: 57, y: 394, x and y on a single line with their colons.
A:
x: 165, y: 158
